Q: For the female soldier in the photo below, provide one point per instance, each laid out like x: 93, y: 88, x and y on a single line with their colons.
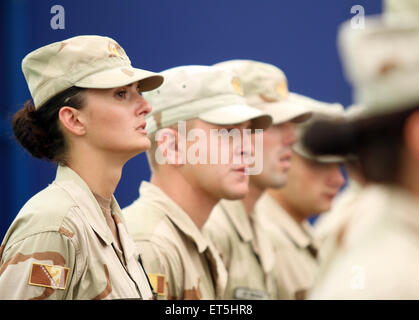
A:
x: 69, y: 241
x: 377, y: 250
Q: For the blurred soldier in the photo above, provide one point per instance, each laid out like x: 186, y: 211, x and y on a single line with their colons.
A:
x: 328, y: 223
x: 69, y: 241
x: 166, y: 220
x: 312, y: 184
x: 244, y: 247
x: 378, y: 248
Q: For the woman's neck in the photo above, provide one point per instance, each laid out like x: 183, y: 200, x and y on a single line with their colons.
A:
x: 101, y: 172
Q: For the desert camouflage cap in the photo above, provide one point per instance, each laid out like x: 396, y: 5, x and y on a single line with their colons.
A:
x: 382, y: 59
x: 320, y: 111
x: 82, y: 61
x: 208, y: 93
x: 391, y: 7
x: 265, y: 87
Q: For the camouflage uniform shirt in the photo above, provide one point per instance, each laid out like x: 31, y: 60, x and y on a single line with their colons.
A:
x: 60, y: 247
x: 180, y: 262
x: 296, y: 250
x: 245, y: 250
x: 376, y: 251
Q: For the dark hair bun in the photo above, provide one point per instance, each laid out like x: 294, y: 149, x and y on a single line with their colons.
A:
x: 38, y: 130
x: 31, y: 134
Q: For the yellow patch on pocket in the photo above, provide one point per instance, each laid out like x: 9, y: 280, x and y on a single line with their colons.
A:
x: 158, y: 281
x: 49, y: 276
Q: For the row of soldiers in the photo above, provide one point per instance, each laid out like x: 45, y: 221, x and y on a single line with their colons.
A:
x: 204, y: 229
x: 191, y: 222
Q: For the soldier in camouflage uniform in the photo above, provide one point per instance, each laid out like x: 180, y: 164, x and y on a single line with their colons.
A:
x: 245, y: 249
x: 375, y: 247
x: 70, y: 241
x: 312, y: 184
x: 166, y: 220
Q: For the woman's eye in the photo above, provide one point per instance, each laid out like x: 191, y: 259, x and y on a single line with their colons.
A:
x: 121, y: 93
x: 139, y: 91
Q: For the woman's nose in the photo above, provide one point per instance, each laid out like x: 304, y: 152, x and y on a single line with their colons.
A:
x: 144, y: 107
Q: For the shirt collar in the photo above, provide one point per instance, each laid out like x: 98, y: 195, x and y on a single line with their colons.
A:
x: 179, y: 218
x: 236, y: 213
x: 242, y: 222
x: 78, y: 189
x: 300, y: 235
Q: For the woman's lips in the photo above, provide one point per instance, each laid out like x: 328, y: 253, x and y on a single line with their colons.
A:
x: 141, y: 128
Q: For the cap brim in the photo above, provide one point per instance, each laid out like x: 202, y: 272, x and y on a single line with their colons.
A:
x: 328, y: 139
x: 287, y: 110
x: 121, y: 76
x: 303, y: 152
x: 235, y: 114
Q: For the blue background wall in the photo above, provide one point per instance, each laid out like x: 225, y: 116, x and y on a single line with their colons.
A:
x: 299, y: 36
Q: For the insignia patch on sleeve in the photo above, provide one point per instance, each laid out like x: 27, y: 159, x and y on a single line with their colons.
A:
x: 158, y: 282
x: 49, y: 276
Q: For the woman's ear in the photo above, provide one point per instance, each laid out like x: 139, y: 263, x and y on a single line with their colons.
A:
x: 169, y: 149
x: 411, y: 135
x: 71, y: 121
